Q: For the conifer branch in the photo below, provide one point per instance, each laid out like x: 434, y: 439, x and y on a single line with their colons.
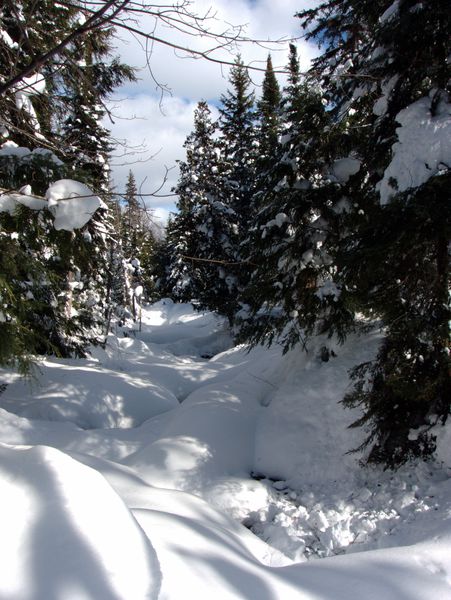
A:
x: 96, y: 20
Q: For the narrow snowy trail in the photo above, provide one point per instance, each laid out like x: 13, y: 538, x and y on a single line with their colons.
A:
x: 127, y: 476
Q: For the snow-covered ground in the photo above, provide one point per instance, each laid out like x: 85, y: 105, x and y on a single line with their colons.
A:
x: 152, y: 471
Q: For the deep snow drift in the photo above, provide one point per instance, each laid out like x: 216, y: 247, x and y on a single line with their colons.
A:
x: 150, y: 471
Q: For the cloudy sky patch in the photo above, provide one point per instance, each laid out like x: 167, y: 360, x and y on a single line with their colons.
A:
x: 151, y: 124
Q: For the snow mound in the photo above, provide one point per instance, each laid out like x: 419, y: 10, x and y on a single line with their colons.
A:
x: 303, y: 436
x: 259, y: 439
x: 182, y: 331
x: 66, y: 534
x: 88, y: 396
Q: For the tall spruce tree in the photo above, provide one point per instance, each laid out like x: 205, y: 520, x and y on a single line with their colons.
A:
x: 130, y: 218
x: 387, y: 61
x: 237, y: 127
x: 203, y: 235
x: 83, y: 87
x: 136, y: 242
x: 55, y: 293
x: 295, y: 289
x: 268, y: 115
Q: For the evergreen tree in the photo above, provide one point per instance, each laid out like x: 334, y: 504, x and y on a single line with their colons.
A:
x: 387, y: 61
x: 83, y: 86
x: 137, y: 243
x: 132, y: 229
x: 203, y: 235
x: 268, y: 115
x: 295, y: 289
x: 54, y: 297
x: 237, y: 127
x: 28, y: 27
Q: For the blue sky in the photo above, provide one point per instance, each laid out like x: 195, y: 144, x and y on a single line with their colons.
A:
x: 154, y: 126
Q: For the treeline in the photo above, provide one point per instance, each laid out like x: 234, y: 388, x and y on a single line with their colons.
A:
x: 323, y: 208
x: 66, y: 264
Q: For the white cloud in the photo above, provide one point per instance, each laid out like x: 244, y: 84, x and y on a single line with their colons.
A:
x: 160, y: 215
x: 158, y: 138
x: 164, y: 129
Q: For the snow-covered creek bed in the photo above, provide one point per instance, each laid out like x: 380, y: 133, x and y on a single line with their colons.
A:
x: 144, y: 471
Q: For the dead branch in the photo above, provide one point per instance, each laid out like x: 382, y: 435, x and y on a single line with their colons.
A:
x: 219, y: 262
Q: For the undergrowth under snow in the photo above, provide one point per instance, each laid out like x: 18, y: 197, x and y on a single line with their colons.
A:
x: 151, y: 471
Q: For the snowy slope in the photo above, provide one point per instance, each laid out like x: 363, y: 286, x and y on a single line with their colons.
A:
x: 147, y: 471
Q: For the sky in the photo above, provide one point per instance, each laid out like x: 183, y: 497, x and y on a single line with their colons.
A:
x: 151, y: 126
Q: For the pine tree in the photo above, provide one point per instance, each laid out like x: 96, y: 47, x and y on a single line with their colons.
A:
x: 61, y: 275
x: 131, y: 219
x: 388, y: 63
x: 28, y: 27
x: 202, y: 236
x: 295, y: 290
x: 237, y: 128
x: 84, y: 86
x: 137, y: 242
x: 268, y: 115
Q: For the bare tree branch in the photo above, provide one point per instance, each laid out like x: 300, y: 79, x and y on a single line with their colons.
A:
x: 124, y: 15
x: 96, y: 20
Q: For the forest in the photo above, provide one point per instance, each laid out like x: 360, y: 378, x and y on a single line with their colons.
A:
x: 302, y: 282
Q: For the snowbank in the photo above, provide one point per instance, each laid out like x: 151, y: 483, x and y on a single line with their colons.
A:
x: 66, y: 534
x: 205, y: 497
x: 90, y: 397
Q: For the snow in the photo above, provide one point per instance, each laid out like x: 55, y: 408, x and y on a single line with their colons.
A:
x: 423, y: 148
x: 28, y: 87
x: 9, y: 202
x: 328, y: 289
x: 146, y: 471
x: 381, y: 104
x: 45, y: 520
x: 278, y: 221
x: 390, y: 13
x: 72, y: 204
x: 4, y: 35
x: 344, y: 168
x: 11, y: 149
